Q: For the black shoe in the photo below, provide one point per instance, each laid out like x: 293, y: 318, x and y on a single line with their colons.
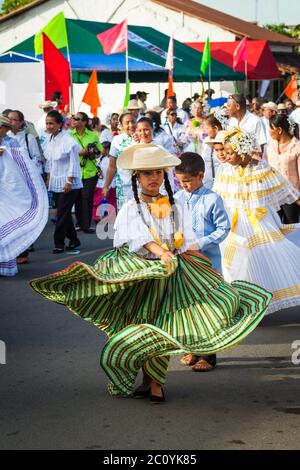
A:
x: 141, y: 393
x: 31, y: 248
x: 156, y: 400
x: 89, y: 230
x: 57, y: 251
x: 73, y: 246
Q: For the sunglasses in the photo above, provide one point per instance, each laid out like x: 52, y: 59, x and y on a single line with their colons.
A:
x: 74, y: 118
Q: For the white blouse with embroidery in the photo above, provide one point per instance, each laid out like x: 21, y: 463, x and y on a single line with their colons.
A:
x: 62, y: 154
x: 130, y: 229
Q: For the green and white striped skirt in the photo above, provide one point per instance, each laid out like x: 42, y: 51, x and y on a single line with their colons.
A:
x: 150, y: 310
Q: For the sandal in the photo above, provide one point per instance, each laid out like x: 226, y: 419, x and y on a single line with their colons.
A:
x: 189, y: 359
x: 202, y: 366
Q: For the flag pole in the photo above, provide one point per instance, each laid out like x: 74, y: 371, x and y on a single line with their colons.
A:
x: 127, y: 66
x: 71, y: 81
x: 246, y: 73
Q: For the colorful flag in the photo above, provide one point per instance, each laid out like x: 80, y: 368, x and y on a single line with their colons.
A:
x: 170, y: 87
x: 291, y: 90
x: 240, y: 53
x: 91, y: 96
x: 206, y: 58
x: 127, y: 94
x: 57, y: 72
x: 115, y: 39
x: 56, y: 31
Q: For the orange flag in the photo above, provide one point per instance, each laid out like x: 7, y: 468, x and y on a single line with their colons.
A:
x: 291, y: 91
x: 170, y: 88
x: 91, y: 96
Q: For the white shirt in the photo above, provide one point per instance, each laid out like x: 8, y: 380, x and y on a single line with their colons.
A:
x: 295, y: 116
x: 102, y: 163
x: 41, y: 125
x: 177, y: 131
x: 131, y: 229
x: 212, y: 164
x: 62, y: 154
x: 252, y: 124
x: 183, y: 115
x: 32, y: 150
x: 164, y: 140
x: 106, y: 136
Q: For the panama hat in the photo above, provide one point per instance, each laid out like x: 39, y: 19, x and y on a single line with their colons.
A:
x: 48, y: 104
x: 146, y: 157
x: 270, y: 105
x: 4, y: 121
x: 135, y: 104
x: 219, y: 139
x: 281, y: 107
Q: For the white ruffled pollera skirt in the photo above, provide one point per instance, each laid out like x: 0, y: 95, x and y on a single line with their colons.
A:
x: 23, y: 207
x: 264, y: 252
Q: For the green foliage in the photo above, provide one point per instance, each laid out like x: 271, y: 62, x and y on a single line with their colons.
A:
x: 11, y: 5
x: 282, y: 28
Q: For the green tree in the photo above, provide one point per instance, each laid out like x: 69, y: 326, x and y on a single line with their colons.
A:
x: 282, y: 28
x: 11, y: 5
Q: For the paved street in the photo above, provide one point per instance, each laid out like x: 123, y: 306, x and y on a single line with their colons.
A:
x: 53, y: 391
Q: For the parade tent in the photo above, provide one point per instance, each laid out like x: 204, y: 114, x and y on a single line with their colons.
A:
x: 147, y: 56
x: 261, y: 64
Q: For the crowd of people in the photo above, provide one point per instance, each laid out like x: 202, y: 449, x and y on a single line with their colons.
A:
x: 206, y: 226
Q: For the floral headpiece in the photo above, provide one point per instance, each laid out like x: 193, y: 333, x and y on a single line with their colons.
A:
x: 221, y: 115
x: 292, y: 127
x: 240, y: 141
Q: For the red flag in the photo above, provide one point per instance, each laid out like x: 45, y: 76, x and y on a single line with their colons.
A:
x: 91, y: 96
x: 240, y: 53
x: 291, y: 91
x: 57, y: 72
x: 115, y: 39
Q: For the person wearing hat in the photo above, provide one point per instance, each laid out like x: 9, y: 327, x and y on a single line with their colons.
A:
x: 46, y: 106
x: 23, y: 202
x: 154, y: 294
x: 269, y: 109
x: 281, y: 109
x: 135, y: 107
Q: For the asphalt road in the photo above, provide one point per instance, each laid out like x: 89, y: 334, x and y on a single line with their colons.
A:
x: 53, y: 391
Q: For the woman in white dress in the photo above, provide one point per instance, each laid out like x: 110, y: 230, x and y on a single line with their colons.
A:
x: 259, y: 248
x: 23, y: 201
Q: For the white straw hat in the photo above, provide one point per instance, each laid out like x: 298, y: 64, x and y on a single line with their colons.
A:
x: 270, y: 105
x: 219, y: 139
x: 48, y: 104
x: 135, y: 104
x: 146, y: 157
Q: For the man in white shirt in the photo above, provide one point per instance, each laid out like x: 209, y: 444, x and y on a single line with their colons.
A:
x: 269, y: 109
x: 240, y: 117
x: 172, y: 106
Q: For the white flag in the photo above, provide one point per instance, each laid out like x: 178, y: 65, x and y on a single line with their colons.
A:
x: 170, y: 56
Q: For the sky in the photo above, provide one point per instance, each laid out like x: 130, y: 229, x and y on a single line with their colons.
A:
x: 268, y: 11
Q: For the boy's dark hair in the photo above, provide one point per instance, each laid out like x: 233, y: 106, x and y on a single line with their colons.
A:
x: 191, y: 164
